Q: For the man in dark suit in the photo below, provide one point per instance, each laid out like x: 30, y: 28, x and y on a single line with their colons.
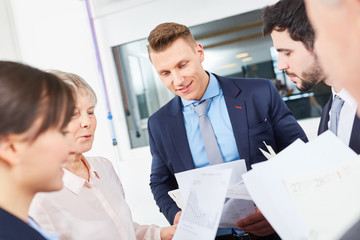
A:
x: 293, y: 37
x: 243, y: 113
x: 351, y: 128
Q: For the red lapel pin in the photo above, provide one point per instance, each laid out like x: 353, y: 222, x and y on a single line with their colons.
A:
x: 238, y: 107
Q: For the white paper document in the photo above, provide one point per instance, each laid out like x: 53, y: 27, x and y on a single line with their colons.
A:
x: 238, y: 191
x: 333, y: 194
x: 177, y: 197
x: 266, y: 182
x: 238, y: 206
x: 265, y: 186
x: 203, y: 206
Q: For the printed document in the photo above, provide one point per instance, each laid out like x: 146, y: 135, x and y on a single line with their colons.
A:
x: 238, y: 204
x: 272, y: 186
x: 203, y: 206
x: 334, y: 196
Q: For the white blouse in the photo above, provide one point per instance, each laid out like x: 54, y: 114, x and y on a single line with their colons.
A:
x: 94, y: 209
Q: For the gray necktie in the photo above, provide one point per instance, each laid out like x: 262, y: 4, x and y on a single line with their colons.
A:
x: 207, y: 133
x: 335, y: 114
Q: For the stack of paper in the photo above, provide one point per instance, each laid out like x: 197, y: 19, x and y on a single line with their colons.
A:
x: 202, y: 197
x: 308, y: 191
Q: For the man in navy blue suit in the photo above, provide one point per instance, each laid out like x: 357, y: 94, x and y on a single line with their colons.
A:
x: 244, y: 113
x: 293, y: 37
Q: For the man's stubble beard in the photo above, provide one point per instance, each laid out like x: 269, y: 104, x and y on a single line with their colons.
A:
x: 312, y: 76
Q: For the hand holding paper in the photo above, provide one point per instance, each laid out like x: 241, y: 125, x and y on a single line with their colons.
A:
x: 238, y: 206
x: 255, y: 224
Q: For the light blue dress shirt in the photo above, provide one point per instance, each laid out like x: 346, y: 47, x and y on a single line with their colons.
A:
x: 45, y: 234
x: 220, y: 121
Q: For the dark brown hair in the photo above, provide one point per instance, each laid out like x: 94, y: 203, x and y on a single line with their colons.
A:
x: 163, y: 35
x: 289, y: 15
x: 28, y: 94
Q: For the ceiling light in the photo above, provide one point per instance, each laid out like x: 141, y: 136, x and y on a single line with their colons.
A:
x: 247, y: 59
x: 242, y: 55
x: 227, y: 66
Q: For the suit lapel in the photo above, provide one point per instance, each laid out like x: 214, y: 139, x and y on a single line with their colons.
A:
x: 238, y: 115
x: 180, y: 143
x: 354, y: 143
x: 355, y: 135
x: 323, y: 126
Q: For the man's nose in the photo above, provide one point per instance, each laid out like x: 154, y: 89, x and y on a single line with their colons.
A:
x: 282, y: 64
x: 177, y: 78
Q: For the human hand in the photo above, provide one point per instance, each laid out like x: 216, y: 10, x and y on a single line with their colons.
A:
x: 167, y: 233
x: 255, y: 224
x: 177, y: 217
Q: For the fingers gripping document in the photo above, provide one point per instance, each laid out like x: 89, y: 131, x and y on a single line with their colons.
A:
x: 238, y: 203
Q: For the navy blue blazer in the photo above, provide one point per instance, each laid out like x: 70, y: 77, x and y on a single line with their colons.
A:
x: 354, y: 143
x: 13, y: 228
x: 257, y: 113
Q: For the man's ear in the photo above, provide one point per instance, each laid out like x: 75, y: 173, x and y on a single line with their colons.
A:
x: 200, y: 50
x: 8, y: 153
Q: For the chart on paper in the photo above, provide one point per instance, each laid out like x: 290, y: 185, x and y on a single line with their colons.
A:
x: 194, y: 214
x: 203, y: 206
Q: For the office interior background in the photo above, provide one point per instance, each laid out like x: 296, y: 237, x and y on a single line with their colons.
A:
x: 56, y: 34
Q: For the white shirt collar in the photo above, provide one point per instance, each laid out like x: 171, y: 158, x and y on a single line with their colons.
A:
x: 345, y: 95
x: 75, y: 183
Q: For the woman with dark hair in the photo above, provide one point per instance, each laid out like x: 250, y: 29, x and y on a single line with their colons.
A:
x: 35, y: 108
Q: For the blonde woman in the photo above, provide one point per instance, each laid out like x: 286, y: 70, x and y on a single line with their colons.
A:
x: 92, y: 203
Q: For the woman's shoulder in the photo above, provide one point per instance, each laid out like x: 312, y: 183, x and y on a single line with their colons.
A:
x: 98, y: 163
x: 98, y: 159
